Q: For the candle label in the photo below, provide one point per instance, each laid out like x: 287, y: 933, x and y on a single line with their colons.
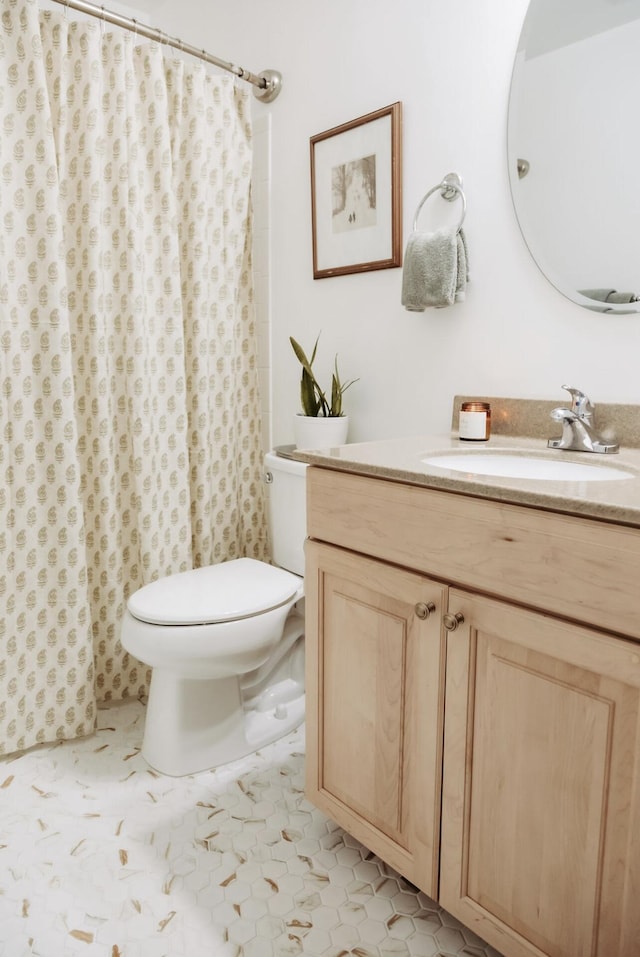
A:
x: 473, y: 425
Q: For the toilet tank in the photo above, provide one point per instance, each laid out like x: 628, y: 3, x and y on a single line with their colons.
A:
x: 285, y: 485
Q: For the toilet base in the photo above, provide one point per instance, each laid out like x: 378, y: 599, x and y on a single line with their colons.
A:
x: 194, y: 725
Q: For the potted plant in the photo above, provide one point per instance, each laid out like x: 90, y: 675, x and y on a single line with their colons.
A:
x: 322, y: 423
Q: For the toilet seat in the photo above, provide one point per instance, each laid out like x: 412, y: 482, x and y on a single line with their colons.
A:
x: 241, y: 588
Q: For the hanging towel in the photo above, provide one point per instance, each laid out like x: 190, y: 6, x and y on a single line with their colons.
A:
x: 609, y: 295
x: 463, y: 267
x: 435, y: 271
x: 622, y: 297
x: 600, y: 295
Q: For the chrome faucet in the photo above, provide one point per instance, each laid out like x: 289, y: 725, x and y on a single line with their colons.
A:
x: 578, y: 429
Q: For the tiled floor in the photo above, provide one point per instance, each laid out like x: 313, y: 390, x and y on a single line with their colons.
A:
x: 100, y: 856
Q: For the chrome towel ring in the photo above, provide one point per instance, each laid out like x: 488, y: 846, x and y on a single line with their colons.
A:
x: 450, y: 189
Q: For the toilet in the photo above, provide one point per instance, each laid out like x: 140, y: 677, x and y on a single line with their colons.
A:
x: 226, y: 644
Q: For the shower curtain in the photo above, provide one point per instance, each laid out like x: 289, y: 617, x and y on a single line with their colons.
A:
x: 129, y: 407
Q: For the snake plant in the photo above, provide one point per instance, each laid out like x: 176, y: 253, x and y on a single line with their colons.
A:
x: 314, y: 400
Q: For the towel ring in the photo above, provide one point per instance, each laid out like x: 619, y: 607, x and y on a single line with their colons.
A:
x: 450, y: 188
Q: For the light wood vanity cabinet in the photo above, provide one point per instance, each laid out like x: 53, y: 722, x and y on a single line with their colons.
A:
x: 509, y: 790
x: 375, y: 761
x: 541, y: 810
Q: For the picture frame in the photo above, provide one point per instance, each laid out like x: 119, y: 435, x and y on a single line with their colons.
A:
x: 356, y: 195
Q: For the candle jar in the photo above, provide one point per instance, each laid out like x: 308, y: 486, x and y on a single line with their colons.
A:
x: 474, y: 422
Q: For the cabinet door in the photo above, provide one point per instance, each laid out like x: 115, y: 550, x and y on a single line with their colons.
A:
x: 374, y: 705
x: 541, y: 791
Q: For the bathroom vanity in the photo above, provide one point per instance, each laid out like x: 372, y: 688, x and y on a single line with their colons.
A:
x: 473, y: 687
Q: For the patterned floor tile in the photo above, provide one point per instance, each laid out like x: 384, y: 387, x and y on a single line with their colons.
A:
x: 101, y: 856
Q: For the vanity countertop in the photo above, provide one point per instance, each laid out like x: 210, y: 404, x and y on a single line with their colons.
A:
x: 401, y: 460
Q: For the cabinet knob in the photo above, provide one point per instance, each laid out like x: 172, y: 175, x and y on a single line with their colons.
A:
x: 451, y: 622
x: 424, y: 608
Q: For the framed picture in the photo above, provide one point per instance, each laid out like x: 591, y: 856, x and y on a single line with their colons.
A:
x: 356, y: 195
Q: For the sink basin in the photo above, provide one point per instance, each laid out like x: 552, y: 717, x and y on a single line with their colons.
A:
x: 512, y: 465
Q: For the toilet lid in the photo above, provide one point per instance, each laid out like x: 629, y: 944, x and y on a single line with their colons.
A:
x: 224, y: 592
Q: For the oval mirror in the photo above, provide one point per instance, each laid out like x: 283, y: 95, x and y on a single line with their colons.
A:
x: 573, y: 143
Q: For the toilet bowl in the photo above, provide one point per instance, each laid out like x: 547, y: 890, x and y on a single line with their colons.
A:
x: 226, y: 645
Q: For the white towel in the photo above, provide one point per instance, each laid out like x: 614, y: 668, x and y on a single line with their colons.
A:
x: 435, y: 271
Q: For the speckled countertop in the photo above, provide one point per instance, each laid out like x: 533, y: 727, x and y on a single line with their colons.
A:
x: 401, y: 460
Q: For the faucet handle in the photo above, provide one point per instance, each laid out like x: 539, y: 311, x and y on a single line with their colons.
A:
x: 580, y: 403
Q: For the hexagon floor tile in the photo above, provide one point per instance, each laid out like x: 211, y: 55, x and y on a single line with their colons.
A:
x: 103, y: 857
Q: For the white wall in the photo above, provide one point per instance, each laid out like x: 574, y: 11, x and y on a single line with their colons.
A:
x: 449, y: 62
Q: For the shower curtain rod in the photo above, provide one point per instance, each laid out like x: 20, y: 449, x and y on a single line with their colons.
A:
x: 266, y: 85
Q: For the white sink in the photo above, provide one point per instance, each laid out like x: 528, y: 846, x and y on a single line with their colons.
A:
x: 512, y: 465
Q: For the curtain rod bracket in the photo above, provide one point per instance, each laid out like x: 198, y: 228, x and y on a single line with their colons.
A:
x: 267, y: 92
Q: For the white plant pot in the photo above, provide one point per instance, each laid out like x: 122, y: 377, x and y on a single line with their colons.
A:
x: 320, y: 432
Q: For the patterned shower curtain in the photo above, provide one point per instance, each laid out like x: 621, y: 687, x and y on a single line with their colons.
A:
x: 129, y: 408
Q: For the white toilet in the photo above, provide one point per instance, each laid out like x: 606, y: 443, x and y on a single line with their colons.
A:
x: 226, y: 644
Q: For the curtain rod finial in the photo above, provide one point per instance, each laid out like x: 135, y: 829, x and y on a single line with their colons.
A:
x: 272, y: 86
